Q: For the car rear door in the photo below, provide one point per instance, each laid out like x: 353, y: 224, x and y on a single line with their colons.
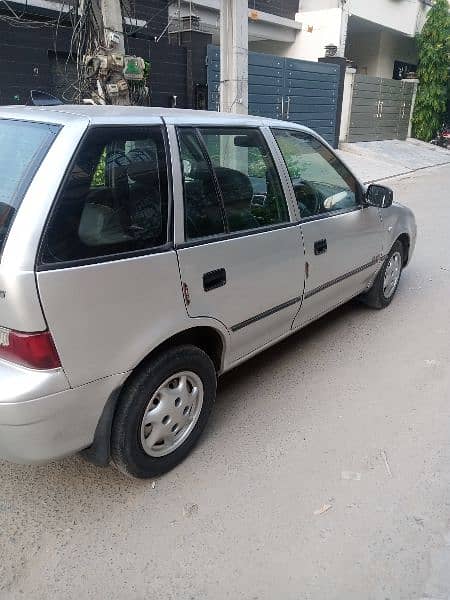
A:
x: 107, y: 272
x: 241, y: 254
x: 342, y: 237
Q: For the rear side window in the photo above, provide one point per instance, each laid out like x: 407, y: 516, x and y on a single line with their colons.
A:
x: 230, y: 182
x: 23, y: 145
x: 114, y: 200
x: 247, y: 178
x: 203, y: 212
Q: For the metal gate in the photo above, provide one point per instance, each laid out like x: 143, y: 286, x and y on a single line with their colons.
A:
x: 380, y: 110
x: 405, y: 110
x: 283, y: 88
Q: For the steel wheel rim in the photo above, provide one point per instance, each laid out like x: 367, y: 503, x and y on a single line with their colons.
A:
x: 392, y: 275
x: 172, y: 413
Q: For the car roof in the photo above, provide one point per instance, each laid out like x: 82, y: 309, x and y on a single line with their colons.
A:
x: 107, y: 114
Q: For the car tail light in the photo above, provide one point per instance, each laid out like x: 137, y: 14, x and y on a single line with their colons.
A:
x: 34, y: 350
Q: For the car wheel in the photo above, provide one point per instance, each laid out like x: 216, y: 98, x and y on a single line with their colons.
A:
x: 386, y: 283
x: 162, y: 412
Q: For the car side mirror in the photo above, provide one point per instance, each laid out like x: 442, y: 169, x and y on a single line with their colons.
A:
x: 379, y: 196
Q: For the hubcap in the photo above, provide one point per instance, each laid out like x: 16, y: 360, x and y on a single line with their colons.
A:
x: 172, y: 413
x: 392, y: 275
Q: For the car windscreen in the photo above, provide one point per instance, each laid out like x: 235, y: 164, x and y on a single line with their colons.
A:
x: 23, y: 145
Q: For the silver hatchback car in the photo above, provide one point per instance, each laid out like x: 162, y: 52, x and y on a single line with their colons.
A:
x: 144, y: 252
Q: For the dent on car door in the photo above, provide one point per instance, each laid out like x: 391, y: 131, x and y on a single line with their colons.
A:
x: 242, y: 258
x: 343, y: 238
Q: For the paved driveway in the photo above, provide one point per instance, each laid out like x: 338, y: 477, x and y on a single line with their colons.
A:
x: 390, y: 158
x: 324, y: 474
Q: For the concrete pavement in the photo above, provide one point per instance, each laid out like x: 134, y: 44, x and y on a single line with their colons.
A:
x: 324, y: 473
x: 373, y: 161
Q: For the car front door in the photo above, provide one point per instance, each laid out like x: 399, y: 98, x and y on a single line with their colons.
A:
x: 242, y: 260
x: 342, y: 237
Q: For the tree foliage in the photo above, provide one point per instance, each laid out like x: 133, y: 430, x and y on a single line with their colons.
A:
x: 434, y: 63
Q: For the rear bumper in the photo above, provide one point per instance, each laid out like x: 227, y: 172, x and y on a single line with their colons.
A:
x: 52, y: 425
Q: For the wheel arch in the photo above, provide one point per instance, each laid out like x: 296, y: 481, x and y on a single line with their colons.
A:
x: 405, y: 241
x: 205, y: 337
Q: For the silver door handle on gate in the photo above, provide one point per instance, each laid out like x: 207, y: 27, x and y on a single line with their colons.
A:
x: 378, y: 109
x: 381, y: 106
x: 288, y: 107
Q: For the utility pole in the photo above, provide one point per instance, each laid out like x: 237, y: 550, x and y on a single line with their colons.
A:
x: 115, y: 77
x: 343, y: 29
x: 234, y: 56
x: 111, y: 11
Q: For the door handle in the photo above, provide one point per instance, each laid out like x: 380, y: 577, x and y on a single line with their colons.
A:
x: 214, y: 279
x: 320, y: 247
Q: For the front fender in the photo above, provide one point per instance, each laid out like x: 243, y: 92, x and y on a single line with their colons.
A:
x: 398, y: 220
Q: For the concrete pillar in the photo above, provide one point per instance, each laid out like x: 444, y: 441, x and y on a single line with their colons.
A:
x: 415, y: 83
x: 347, y: 98
x: 344, y: 29
x: 234, y: 56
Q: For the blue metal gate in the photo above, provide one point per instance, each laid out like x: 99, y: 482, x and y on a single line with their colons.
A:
x: 283, y: 88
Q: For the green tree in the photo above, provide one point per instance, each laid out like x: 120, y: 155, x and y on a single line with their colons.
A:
x: 434, y: 51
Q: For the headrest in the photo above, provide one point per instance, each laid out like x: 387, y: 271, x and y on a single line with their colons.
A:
x: 143, y: 166
x: 144, y: 173
x: 236, y: 187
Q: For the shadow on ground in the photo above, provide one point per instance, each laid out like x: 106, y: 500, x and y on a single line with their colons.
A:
x: 76, y: 476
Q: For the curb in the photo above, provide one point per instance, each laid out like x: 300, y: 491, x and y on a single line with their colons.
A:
x: 407, y: 172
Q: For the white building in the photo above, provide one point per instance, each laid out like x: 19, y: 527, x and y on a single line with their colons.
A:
x: 377, y: 35
x: 269, y: 21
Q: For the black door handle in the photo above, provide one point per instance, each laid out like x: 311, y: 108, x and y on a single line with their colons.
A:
x: 214, y: 279
x: 320, y: 247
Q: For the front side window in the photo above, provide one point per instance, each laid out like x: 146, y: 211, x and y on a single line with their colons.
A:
x: 23, y: 145
x: 115, y: 198
x: 322, y: 184
x: 230, y: 182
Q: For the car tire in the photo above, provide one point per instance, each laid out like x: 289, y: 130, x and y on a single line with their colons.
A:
x: 162, y: 411
x: 386, y: 283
